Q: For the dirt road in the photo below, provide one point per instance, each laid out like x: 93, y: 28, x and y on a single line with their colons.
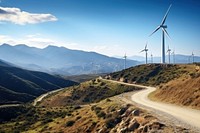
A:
x: 185, y: 116
x: 44, y: 95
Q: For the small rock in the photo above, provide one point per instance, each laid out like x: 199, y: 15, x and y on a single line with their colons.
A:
x: 123, y: 130
x: 103, y: 130
x: 136, y: 112
x: 133, y: 126
x: 145, y: 129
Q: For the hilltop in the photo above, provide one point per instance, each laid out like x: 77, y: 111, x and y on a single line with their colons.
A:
x: 178, y: 84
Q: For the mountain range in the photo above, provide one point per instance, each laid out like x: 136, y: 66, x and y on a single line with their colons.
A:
x: 19, y: 85
x: 60, y: 60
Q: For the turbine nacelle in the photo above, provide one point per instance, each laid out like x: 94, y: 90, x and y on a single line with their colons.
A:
x: 163, y: 26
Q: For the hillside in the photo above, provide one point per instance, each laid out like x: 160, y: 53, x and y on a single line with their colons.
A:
x: 87, y: 92
x: 60, y: 60
x: 98, y: 112
x: 18, y: 85
x: 83, y: 78
x: 184, y: 90
x: 178, y: 84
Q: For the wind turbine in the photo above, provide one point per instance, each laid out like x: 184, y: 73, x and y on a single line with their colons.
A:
x: 125, y: 61
x: 192, y: 57
x: 173, y: 53
x: 168, y: 51
x: 145, y: 49
x: 151, y: 58
x: 164, y: 31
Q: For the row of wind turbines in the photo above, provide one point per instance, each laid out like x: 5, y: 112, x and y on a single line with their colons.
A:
x: 163, y: 27
x: 164, y: 32
x: 168, y: 51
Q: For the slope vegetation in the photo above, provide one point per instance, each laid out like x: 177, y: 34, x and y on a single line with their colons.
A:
x: 183, y: 91
x: 56, y: 114
x: 87, y: 92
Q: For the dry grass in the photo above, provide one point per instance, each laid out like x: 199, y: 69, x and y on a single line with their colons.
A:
x: 87, y: 92
x: 184, y: 90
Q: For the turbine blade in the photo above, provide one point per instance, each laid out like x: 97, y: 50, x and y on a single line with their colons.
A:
x: 164, y: 19
x: 166, y: 33
x: 155, y: 30
x: 142, y: 51
x: 146, y: 46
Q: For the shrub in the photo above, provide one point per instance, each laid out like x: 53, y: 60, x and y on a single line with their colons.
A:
x: 108, y: 100
x: 101, y: 114
x: 47, y: 120
x: 70, y: 123
x: 110, y: 123
x: 78, y: 117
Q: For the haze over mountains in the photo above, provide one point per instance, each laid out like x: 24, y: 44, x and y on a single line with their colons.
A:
x: 60, y: 60
x: 180, y: 59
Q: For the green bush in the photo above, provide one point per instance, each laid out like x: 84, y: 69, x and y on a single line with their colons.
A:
x: 70, y: 123
x: 101, y: 114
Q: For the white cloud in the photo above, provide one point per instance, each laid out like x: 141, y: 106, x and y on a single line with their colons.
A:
x: 15, y: 15
x: 30, y: 40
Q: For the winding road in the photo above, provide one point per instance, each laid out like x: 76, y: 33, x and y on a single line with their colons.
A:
x: 186, y: 116
x: 40, y: 98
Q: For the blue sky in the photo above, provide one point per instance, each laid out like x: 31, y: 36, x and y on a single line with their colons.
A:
x: 110, y: 27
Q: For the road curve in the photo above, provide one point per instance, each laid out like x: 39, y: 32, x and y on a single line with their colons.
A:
x: 9, y: 105
x: 183, y: 114
x: 40, y: 98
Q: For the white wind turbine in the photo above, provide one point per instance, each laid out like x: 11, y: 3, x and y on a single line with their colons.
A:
x: 145, y: 49
x: 125, y: 57
x: 169, y: 52
x: 173, y: 54
x: 151, y: 58
x: 164, y: 31
x: 192, y: 57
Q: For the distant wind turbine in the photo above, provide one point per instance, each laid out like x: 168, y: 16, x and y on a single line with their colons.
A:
x: 151, y: 58
x: 192, y: 57
x: 173, y: 54
x: 125, y: 57
x: 145, y: 49
x: 164, y: 31
x: 169, y: 52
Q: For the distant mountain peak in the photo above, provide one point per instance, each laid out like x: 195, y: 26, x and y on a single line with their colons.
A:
x: 21, y: 45
x: 6, y: 45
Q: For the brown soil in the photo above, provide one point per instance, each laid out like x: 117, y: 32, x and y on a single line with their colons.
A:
x: 182, y: 91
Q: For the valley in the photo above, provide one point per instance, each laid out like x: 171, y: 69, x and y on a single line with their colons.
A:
x: 19, y: 86
x: 104, y: 104
x: 107, y: 102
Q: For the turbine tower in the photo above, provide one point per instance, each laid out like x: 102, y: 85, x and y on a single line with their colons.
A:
x: 169, y: 51
x: 192, y: 57
x: 151, y: 58
x: 145, y: 49
x: 125, y: 61
x: 173, y: 54
x: 164, y: 31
